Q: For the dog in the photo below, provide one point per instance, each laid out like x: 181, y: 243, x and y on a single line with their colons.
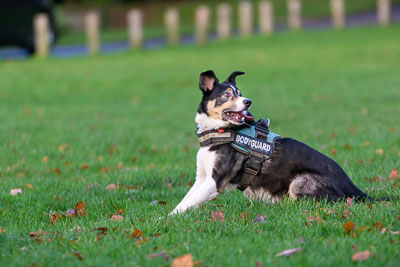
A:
x: 293, y: 168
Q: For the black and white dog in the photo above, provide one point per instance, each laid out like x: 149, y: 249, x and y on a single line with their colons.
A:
x: 294, y: 169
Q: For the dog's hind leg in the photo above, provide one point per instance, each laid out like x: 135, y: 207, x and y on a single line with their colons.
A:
x: 313, y: 186
x: 206, y: 191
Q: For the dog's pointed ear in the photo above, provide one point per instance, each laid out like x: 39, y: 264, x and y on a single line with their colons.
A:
x: 207, y: 81
x: 232, y: 78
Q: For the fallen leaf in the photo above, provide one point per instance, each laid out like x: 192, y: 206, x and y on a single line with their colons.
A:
x: 333, y: 151
x: 156, y: 255
x: 361, y: 255
x: 116, y: 217
x: 217, y: 216
x: 348, y: 227
x: 15, y: 191
x: 2, y: 230
x: 260, y: 218
x: 183, y: 261
x: 111, y: 187
x: 378, y: 226
x: 136, y: 233
x: 78, y: 255
x: 244, y: 215
x: 84, y: 166
x: 394, y: 174
x: 287, y: 252
x: 30, y: 186
x: 80, y: 208
x: 56, y: 171
x: 162, y: 202
x: 120, y: 211
x: 379, y: 151
x: 54, y: 217
x: 349, y: 201
x: 45, y: 159
x: 346, y: 213
x: 141, y: 241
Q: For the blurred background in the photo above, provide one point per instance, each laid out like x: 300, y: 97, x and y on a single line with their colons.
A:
x: 67, y: 20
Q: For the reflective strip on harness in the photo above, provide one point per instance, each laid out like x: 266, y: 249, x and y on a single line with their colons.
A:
x: 214, y: 135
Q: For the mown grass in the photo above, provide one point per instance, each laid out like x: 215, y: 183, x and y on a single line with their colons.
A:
x: 129, y: 118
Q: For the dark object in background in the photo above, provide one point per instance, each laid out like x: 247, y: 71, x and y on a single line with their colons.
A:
x: 16, y: 22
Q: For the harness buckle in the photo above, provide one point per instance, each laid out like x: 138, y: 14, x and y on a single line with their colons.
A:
x: 254, y: 163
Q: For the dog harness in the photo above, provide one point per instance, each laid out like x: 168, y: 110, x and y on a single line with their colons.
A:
x: 255, y: 141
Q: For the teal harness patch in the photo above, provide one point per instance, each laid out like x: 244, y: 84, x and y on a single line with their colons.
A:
x: 246, y: 141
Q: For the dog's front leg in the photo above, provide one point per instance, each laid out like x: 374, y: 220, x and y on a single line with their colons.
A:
x: 200, y: 193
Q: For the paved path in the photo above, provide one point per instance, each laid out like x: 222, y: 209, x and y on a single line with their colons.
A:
x: 59, y: 51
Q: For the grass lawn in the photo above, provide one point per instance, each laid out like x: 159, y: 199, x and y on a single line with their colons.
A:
x: 71, y: 127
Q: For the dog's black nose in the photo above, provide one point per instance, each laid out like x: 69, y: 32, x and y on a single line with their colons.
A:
x: 247, y: 102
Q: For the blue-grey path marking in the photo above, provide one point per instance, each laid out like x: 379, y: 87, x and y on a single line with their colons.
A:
x: 60, y: 51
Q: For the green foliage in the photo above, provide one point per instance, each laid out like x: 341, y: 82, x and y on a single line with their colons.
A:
x: 129, y: 118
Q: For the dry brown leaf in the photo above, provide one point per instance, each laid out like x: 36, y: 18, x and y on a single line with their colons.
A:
x: 56, y: 171
x: 80, y: 209
x: 45, y: 159
x: 54, y: 217
x: 29, y: 186
x: 136, y: 233
x: 2, y: 230
x: 394, y: 174
x: 361, y: 255
x: 78, y: 255
x: 348, y: 227
x: 244, y: 215
x: 84, y: 166
x: 141, y: 241
x: 217, y: 216
x: 183, y: 261
x: 111, y: 187
x: 379, y: 151
x: 287, y: 252
x: 116, y: 217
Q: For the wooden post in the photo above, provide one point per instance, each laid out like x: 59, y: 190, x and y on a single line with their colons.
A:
x: 41, y: 29
x: 245, y: 18
x: 92, y: 23
x: 202, y: 21
x: 171, y: 19
x: 135, y: 28
x: 337, y: 10
x: 294, y: 18
x: 224, y: 16
x: 266, y: 17
x: 383, y: 10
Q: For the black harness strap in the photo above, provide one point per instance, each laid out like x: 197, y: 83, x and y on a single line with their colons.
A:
x: 255, y: 159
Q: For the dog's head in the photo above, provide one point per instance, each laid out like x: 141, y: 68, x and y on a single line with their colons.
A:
x: 222, y: 103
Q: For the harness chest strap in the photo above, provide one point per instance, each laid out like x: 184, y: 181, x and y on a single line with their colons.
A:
x: 255, y: 141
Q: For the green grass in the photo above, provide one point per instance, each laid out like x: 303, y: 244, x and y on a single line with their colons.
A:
x: 129, y: 118
x: 154, y: 16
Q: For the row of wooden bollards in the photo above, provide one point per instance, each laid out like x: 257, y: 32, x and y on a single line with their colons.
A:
x: 202, y: 23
